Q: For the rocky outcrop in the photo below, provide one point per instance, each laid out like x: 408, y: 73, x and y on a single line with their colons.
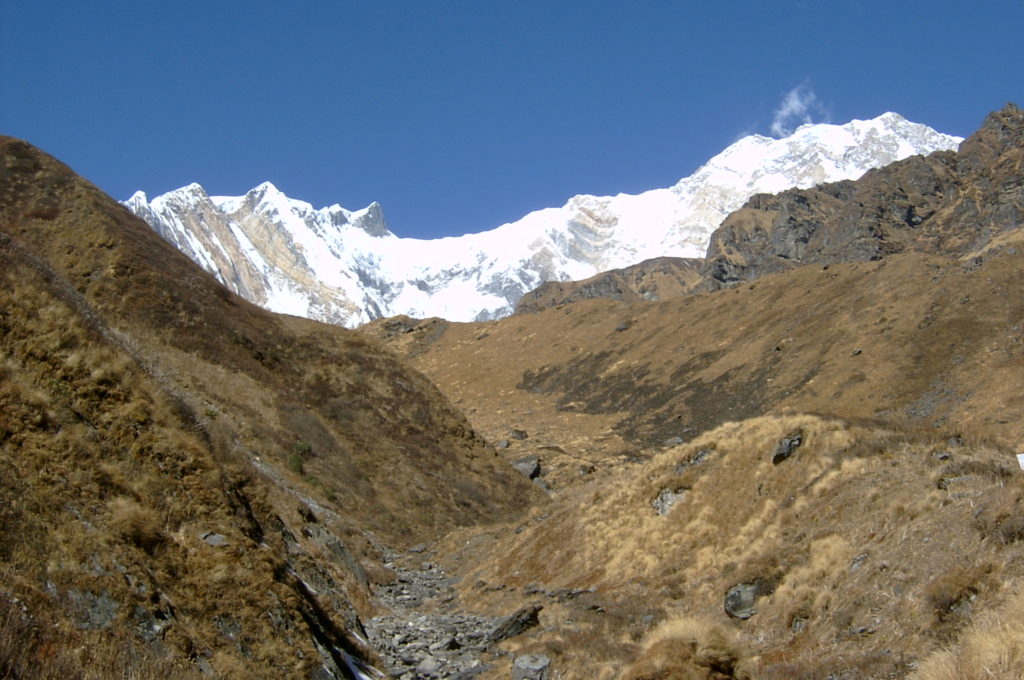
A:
x: 658, y: 279
x: 952, y: 203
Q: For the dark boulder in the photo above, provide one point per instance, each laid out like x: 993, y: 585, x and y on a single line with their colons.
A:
x: 786, y: 446
x: 517, y: 623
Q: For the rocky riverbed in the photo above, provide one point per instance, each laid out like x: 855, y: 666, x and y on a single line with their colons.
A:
x: 424, y: 636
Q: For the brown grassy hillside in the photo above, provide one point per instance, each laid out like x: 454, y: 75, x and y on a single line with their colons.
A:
x: 188, y: 480
x: 867, y: 553
x: 915, y: 339
x: 656, y: 279
x: 904, y: 358
x: 886, y: 545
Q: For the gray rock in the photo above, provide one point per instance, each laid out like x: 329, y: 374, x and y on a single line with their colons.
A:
x: 335, y: 550
x: 207, y: 669
x: 528, y: 465
x: 93, y: 612
x: 531, y: 667
x: 517, y: 623
x: 695, y: 459
x: 666, y: 499
x: 786, y: 446
x: 228, y: 627
x: 518, y: 434
x: 151, y: 624
x: 429, y: 666
x: 946, y: 483
x: 214, y: 539
x: 741, y: 599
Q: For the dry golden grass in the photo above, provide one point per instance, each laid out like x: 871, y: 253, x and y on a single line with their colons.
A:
x: 914, y: 339
x: 30, y: 650
x: 138, y: 524
x: 865, y: 542
x: 147, y: 419
x: 991, y: 647
x: 688, y: 649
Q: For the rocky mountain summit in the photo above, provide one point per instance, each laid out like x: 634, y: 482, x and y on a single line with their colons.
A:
x: 346, y: 267
x: 947, y: 203
x: 953, y: 204
x: 651, y: 280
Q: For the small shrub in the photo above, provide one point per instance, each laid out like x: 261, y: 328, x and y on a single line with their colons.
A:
x: 135, y: 523
x: 295, y: 463
x: 688, y: 648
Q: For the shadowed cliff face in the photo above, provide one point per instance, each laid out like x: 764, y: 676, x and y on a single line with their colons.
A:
x: 952, y: 204
x: 188, y: 479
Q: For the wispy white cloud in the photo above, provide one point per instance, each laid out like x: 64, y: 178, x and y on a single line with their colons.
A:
x: 799, y: 106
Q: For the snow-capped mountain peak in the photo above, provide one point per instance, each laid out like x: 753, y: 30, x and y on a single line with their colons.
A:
x: 347, y: 267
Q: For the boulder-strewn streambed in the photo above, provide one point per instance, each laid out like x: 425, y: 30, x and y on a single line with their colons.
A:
x: 425, y: 636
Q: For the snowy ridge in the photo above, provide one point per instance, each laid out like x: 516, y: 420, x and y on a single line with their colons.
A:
x: 346, y: 267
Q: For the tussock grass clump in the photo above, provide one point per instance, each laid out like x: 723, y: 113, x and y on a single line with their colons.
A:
x: 991, y: 648
x: 689, y: 649
x: 141, y: 525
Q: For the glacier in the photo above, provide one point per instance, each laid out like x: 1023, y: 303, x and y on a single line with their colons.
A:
x: 346, y: 267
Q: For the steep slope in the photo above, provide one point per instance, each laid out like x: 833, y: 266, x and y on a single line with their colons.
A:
x: 955, y: 204
x: 657, y: 279
x: 807, y: 474
x: 866, y: 553
x: 912, y: 338
x: 346, y: 267
x: 189, y: 482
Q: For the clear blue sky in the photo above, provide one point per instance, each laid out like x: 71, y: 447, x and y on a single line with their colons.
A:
x: 460, y: 116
